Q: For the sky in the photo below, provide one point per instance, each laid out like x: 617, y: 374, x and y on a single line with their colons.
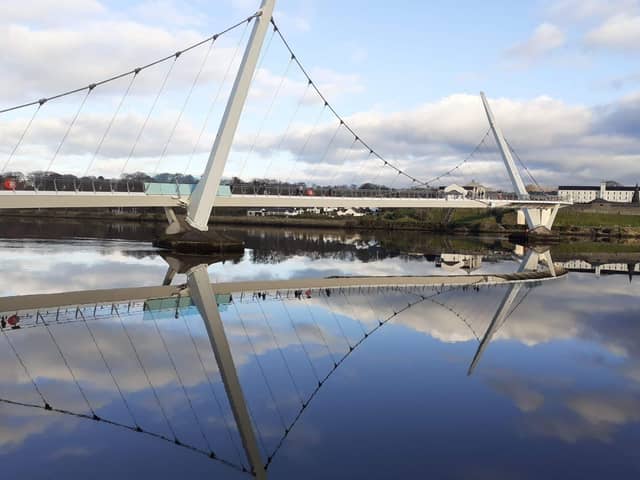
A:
x: 561, y: 76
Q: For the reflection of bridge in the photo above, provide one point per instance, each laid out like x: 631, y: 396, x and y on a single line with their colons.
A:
x: 45, y: 311
x: 207, y: 194
x: 630, y: 268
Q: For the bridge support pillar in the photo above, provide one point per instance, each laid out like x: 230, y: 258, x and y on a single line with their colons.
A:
x: 203, y: 297
x: 174, y: 224
x: 529, y: 262
x: 538, y: 219
x: 204, y: 195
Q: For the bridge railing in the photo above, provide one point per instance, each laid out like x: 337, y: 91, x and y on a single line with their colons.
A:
x: 85, y: 185
x: 101, y: 185
x: 258, y: 189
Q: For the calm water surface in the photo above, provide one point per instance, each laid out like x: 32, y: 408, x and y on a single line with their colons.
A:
x: 338, y: 382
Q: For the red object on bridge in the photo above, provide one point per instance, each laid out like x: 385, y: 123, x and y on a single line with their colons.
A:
x: 9, y: 184
x: 13, y: 320
x: 309, y: 192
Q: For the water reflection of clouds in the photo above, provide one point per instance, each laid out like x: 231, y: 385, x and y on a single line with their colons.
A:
x: 39, y: 267
x: 588, y: 325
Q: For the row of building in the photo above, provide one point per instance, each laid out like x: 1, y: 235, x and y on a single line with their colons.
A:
x: 606, y: 191
x: 296, y: 212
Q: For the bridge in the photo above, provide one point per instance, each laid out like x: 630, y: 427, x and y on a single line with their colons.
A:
x: 538, y: 213
x: 324, y: 349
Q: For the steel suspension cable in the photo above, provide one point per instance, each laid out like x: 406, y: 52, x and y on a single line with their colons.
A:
x: 153, y: 106
x: 466, y: 159
x: 330, y: 144
x: 345, y: 159
x: 335, y: 113
x: 69, y: 128
x: 266, y: 116
x: 289, y: 124
x: 111, y: 122
x: 255, y: 75
x: 306, y: 142
x: 522, y: 163
x: 377, y: 176
x: 20, y: 139
x: 185, y: 103
x: 217, y: 95
x: 361, y: 165
x: 42, y: 101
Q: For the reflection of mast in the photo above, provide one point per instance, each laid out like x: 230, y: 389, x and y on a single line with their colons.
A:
x: 529, y: 262
x: 200, y: 290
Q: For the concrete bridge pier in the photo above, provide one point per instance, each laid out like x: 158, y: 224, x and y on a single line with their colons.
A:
x: 180, y: 237
x: 539, y: 220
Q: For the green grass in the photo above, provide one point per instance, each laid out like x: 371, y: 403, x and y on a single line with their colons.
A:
x: 595, y: 247
x: 569, y: 218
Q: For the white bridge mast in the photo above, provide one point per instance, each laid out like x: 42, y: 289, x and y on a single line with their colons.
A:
x: 505, y: 151
x: 535, y: 218
x: 205, y: 192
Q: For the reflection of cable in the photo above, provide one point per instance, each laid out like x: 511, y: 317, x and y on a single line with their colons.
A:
x: 284, y: 359
x: 213, y: 392
x: 126, y: 427
x: 73, y: 375
x: 313, y: 368
x: 326, y: 377
x: 146, y: 374
x: 335, y: 317
x: 184, y: 389
x: 324, y: 340
x: 113, y: 378
x: 260, y: 367
x: 26, y: 370
x: 517, y: 305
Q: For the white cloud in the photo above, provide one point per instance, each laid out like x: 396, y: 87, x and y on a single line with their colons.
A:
x: 582, y: 10
x: 545, y: 39
x: 556, y: 138
x: 47, y: 11
x: 618, y: 32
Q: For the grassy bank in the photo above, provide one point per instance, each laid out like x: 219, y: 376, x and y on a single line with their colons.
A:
x: 571, y: 222
x: 568, y: 217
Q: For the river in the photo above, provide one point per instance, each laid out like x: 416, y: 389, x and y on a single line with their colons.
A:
x: 477, y: 374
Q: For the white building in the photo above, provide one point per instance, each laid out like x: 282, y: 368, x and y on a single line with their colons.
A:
x: 455, y: 192
x: 607, y: 191
x: 349, y: 212
x: 476, y: 190
x: 455, y: 261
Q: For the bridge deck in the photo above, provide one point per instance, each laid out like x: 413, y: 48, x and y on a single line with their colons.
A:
x: 124, y: 295
x: 33, y: 200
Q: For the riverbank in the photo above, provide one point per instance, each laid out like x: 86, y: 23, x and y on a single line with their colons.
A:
x: 571, y: 223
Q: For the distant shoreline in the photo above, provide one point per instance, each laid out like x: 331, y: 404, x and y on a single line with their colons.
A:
x: 575, y: 222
